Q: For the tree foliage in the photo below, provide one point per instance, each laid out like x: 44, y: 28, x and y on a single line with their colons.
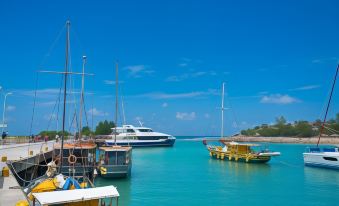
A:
x: 86, y: 131
x: 52, y: 134
x: 104, y: 128
x: 298, y: 129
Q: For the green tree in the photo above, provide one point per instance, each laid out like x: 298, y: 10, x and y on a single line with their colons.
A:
x: 104, y: 128
x: 304, y: 129
x: 52, y: 134
x: 86, y: 131
x: 280, y: 121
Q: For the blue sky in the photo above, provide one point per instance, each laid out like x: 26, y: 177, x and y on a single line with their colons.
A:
x: 276, y: 57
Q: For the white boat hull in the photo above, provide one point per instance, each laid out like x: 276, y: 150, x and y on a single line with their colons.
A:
x: 322, y: 159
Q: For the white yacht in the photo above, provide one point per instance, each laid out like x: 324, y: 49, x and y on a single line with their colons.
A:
x: 139, y: 137
x: 327, y: 157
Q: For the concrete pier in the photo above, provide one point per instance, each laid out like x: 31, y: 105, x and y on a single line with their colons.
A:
x: 10, y: 190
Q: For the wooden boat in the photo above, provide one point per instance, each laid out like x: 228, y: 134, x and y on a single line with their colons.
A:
x: 234, y: 151
x: 115, y: 161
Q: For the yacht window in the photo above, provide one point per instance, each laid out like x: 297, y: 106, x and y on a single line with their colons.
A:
x: 330, y: 158
x: 145, y: 130
x: 130, y: 130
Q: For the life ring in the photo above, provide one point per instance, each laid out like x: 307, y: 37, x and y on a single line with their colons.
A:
x: 72, y: 159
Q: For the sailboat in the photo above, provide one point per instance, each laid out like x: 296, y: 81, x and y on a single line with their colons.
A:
x: 115, y: 160
x: 234, y: 151
x: 325, y: 157
x: 70, y: 175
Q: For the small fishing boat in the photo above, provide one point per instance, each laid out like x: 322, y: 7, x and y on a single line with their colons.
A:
x: 234, y: 151
x: 324, y: 157
x: 115, y: 161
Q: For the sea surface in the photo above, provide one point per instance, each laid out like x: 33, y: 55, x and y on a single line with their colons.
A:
x: 186, y: 175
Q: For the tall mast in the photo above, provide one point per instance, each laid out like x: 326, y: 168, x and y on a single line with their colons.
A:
x: 116, y: 102
x: 328, y: 105
x: 222, y: 110
x: 68, y: 23
x: 123, y: 109
x: 84, y: 58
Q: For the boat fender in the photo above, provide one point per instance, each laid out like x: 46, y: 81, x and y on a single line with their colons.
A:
x: 22, y: 203
x: 67, y: 184
x: 75, y: 183
x: 59, y: 181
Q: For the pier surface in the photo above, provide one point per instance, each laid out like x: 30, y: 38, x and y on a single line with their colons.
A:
x: 10, y: 191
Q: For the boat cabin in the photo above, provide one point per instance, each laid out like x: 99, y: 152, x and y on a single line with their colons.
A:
x: 78, y: 158
x: 115, y: 161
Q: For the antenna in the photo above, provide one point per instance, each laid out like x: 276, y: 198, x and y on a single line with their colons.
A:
x: 141, y: 124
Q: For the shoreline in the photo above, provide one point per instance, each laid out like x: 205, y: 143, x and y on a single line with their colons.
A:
x: 294, y: 140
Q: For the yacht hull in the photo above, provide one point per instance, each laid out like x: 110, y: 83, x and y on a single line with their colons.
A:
x: 142, y: 143
x: 322, y: 159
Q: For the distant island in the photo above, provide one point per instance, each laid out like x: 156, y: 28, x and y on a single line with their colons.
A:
x: 298, y: 132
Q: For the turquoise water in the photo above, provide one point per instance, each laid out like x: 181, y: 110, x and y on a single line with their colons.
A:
x: 186, y: 175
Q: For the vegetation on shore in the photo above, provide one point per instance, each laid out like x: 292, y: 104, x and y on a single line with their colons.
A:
x: 297, y: 129
x: 103, y: 128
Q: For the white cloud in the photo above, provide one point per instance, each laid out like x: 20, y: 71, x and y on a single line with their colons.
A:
x: 111, y: 82
x: 182, y: 64
x: 307, y: 87
x: 178, y: 78
x: 96, y: 112
x: 161, y: 95
x: 278, y: 99
x: 10, y: 108
x: 185, y: 116
x: 164, y: 105
x: 324, y: 60
x: 137, y: 71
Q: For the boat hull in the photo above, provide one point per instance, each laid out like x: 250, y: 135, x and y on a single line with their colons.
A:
x: 142, y: 143
x: 258, y: 159
x: 328, y: 160
x: 217, y: 153
x: 115, y: 171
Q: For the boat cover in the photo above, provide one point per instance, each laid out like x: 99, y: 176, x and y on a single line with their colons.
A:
x: 67, y: 196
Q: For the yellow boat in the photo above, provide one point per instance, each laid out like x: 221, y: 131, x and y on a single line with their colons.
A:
x: 234, y: 151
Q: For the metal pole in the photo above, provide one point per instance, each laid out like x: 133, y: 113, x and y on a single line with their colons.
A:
x: 82, y: 95
x: 4, y: 111
x: 222, y: 110
x: 68, y: 23
x: 116, y: 103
